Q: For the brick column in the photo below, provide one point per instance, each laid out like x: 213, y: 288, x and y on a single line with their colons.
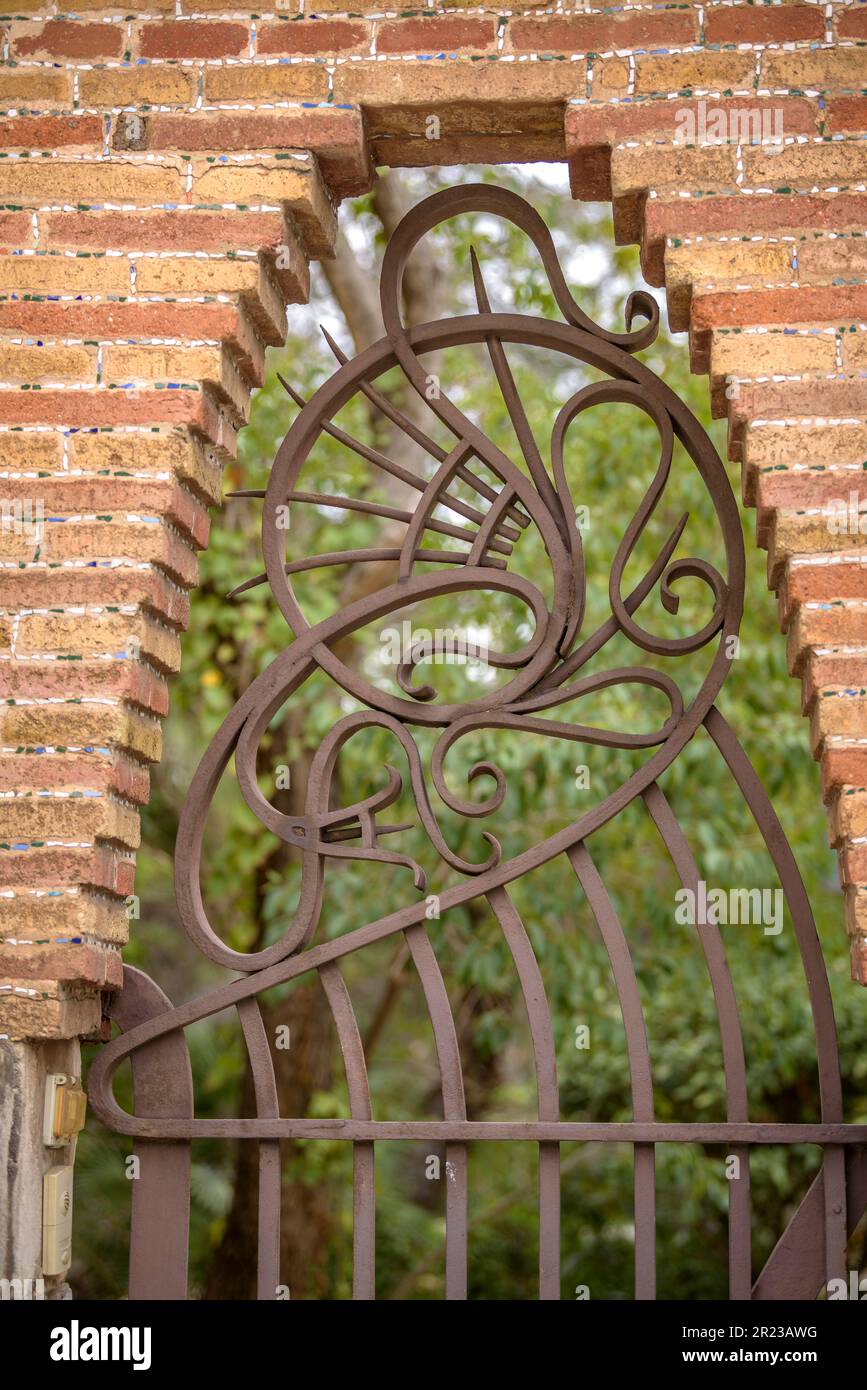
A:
x: 139, y: 288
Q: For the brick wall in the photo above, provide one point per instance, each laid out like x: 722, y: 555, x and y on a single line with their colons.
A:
x: 168, y: 174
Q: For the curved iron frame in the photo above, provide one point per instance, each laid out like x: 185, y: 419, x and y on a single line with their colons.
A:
x: 813, y: 1248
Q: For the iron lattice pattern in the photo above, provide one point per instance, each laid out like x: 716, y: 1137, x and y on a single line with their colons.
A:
x: 482, y: 522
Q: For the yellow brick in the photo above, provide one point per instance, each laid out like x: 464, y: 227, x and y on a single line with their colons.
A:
x: 122, y: 364
x: 750, y: 355
x: 708, y: 263
x: 258, y: 82
x: 772, y: 444
x: 73, y: 726
x: 181, y: 364
x: 800, y: 533
x: 34, y: 86
x: 125, y: 452
x: 854, y: 350
x: 23, y: 452
x: 19, y: 545
x: 59, y: 818
x: 52, y: 181
x: 47, y: 364
x: 195, y: 276
x: 65, y: 274
x: 822, y: 68
x: 157, y: 453
x: 849, y: 816
x: 838, y: 715
x: 97, y: 915
x: 818, y: 162
x: 143, y: 540
x: 716, y: 72
x: 674, y: 166
x: 149, y: 86
x: 110, y: 633
x: 832, y: 258
x: 45, y: 1017
x: 117, y: 8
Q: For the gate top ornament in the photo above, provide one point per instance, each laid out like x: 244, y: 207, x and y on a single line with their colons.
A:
x: 486, y: 521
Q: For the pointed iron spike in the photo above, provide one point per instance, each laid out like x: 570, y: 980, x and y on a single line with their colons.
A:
x: 245, y: 492
x: 290, y: 391
x: 484, y: 304
x: 248, y: 584
x: 335, y: 348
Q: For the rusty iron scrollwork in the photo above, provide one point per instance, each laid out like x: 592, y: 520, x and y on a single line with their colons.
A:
x: 460, y: 535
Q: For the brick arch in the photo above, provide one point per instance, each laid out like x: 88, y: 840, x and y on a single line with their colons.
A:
x: 167, y: 179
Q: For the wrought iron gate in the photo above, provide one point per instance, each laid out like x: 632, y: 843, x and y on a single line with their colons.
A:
x: 487, y: 522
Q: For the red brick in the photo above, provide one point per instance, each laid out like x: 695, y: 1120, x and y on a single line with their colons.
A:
x: 764, y: 24
x: 127, y: 680
x: 808, y: 305
x: 852, y: 23
x: 191, y: 38
x: 85, y: 964
x: 159, y: 319
x: 63, y: 38
x: 319, y: 36
x: 47, y: 132
x: 618, y: 121
x: 435, y: 35
x: 822, y: 583
x: 602, y: 33
x: 121, y: 320
x: 16, y: 228
x: 843, y: 767
x: 231, y: 130
x: 122, y: 231
x: 101, y: 409
x: 858, y: 955
x: 781, y: 487
x: 101, y: 866
x: 824, y: 671
x: 58, y: 587
x: 848, y: 113
x: 72, y: 496
x: 52, y: 772
x: 85, y: 409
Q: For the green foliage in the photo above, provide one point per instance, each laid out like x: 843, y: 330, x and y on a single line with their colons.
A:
x: 229, y: 643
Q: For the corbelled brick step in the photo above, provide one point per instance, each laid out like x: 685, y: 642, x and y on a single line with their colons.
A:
x: 796, y: 214
x: 805, y: 473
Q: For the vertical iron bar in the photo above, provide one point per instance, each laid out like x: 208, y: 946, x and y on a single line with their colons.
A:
x: 363, y: 1159
x: 638, y: 1052
x: 548, y: 1098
